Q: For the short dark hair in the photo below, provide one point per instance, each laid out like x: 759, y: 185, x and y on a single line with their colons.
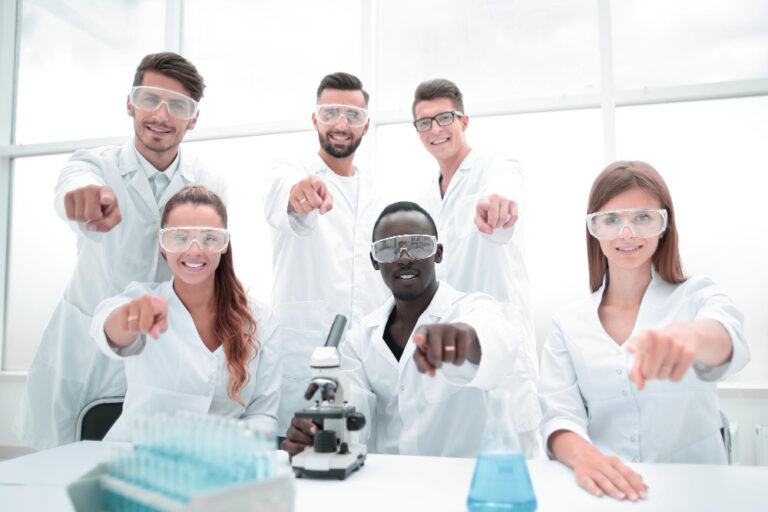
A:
x: 438, y: 88
x: 403, y: 206
x: 342, y: 81
x: 173, y: 66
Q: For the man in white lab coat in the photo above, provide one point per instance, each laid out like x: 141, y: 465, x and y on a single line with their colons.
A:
x: 425, y: 358
x: 476, y: 200
x: 112, y: 198
x: 321, y: 210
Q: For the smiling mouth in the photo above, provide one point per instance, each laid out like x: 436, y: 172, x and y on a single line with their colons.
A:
x: 440, y: 141
x: 193, y: 265
x: 629, y: 249
x: 160, y: 130
x: 340, y: 137
x: 406, y: 275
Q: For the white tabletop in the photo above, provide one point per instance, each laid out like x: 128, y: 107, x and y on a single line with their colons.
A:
x: 402, y: 483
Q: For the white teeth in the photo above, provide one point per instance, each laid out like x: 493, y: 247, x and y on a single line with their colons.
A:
x: 440, y: 141
x: 627, y: 249
x: 194, y: 265
x: 407, y: 276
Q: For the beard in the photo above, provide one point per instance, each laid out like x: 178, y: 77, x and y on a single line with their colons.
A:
x: 333, y: 148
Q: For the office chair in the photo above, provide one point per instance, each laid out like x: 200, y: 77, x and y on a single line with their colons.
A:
x: 97, y: 417
x: 725, y: 431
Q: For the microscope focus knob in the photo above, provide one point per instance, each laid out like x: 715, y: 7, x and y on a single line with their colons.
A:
x: 325, y: 441
x: 355, y: 421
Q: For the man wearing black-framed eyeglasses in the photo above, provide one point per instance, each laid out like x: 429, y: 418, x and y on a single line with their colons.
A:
x: 476, y: 199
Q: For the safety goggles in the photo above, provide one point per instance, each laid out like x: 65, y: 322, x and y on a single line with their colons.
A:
x: 180, y: 239
x: 149, y: 99
x: 331, y: 113
x: 416, y: 247
x: 442, y: 119
x: 644, y: 223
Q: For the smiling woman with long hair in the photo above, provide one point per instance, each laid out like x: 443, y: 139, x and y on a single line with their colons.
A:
x: 210, y: 351
x: 629, y: 374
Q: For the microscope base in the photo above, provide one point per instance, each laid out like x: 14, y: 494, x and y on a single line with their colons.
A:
x: 332, y: 465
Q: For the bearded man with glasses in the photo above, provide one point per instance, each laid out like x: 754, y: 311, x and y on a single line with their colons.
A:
x: 321, y: 208
x: 112, y: 198
x: 476, y: 200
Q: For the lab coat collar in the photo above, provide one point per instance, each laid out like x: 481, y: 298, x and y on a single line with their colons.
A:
x: 139, y: 181
x: 318, y: 166
x: 658, y: 288
x: 437, y: 309
x: 441, y: 302
x: 469, y: 161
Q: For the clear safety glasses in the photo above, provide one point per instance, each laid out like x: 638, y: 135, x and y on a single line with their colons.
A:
x: 180, y: 239
x: 442, y: 119
x: 149, y: 99
x: 644, y: 223
x: 416, y: 247
x: 331, y: 113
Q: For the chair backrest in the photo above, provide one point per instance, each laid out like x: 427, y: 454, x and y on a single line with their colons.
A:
x: 97, y: 418
x: 725, y: 431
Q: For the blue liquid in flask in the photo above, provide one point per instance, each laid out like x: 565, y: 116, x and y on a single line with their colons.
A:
x: 501, y: 483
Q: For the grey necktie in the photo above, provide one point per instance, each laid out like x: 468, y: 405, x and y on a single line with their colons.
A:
x: 159, y: 183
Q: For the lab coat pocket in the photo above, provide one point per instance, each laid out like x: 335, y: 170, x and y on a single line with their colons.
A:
x: 301, y: 328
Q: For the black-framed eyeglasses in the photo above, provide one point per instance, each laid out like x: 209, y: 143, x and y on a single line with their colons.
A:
x: 442, y: 119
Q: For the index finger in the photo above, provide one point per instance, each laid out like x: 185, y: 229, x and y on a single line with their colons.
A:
x: 92, y: 204
x: 512, y: 215
x: 493, y: 211
x: 69, y: 205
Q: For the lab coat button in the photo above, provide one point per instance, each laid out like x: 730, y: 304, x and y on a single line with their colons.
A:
x: 633, y: 439
x: 618, y: 372
x: 634, y: 459
x: 402, y: 388
x: 624, y: 392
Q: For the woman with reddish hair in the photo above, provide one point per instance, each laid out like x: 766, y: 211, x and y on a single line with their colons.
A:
x: 629, y: 374
x: 210, y: 351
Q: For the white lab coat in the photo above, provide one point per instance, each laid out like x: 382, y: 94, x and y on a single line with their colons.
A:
x: 321, y: 268
x: 177, y: 372
x: 476, y: 262
x: 68, y: 370
x: 585, y: 387
x: 410, y: 413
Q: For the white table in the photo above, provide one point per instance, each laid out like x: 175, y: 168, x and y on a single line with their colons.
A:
x: 403, y: 483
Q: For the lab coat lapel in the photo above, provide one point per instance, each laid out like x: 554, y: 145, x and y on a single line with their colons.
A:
x: 458, y: 176
x: 181, y: 178
x: 379, y: 345
x: 138, y: 181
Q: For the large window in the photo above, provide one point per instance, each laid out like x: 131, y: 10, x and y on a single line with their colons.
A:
x: 690, y: 79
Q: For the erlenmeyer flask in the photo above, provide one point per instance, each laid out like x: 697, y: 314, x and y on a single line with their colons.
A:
x: 501, y: 481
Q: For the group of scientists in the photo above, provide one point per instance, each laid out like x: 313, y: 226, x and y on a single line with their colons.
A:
x: 436, y: 290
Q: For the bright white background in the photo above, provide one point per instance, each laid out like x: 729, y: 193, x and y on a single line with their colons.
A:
x: 689, y: 80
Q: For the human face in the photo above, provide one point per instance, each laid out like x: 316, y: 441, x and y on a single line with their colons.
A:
x: 442, y: 142
x: 195, y: 265
x: 158, y: 132
x: 628, y: 251
x: 339, y: 140
x: 408, y: 279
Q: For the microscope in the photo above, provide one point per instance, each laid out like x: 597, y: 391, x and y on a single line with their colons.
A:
x: 333, y: 454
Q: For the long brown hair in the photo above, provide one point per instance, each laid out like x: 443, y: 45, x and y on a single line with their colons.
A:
x: 614, y: 180
x: 235, y: 326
